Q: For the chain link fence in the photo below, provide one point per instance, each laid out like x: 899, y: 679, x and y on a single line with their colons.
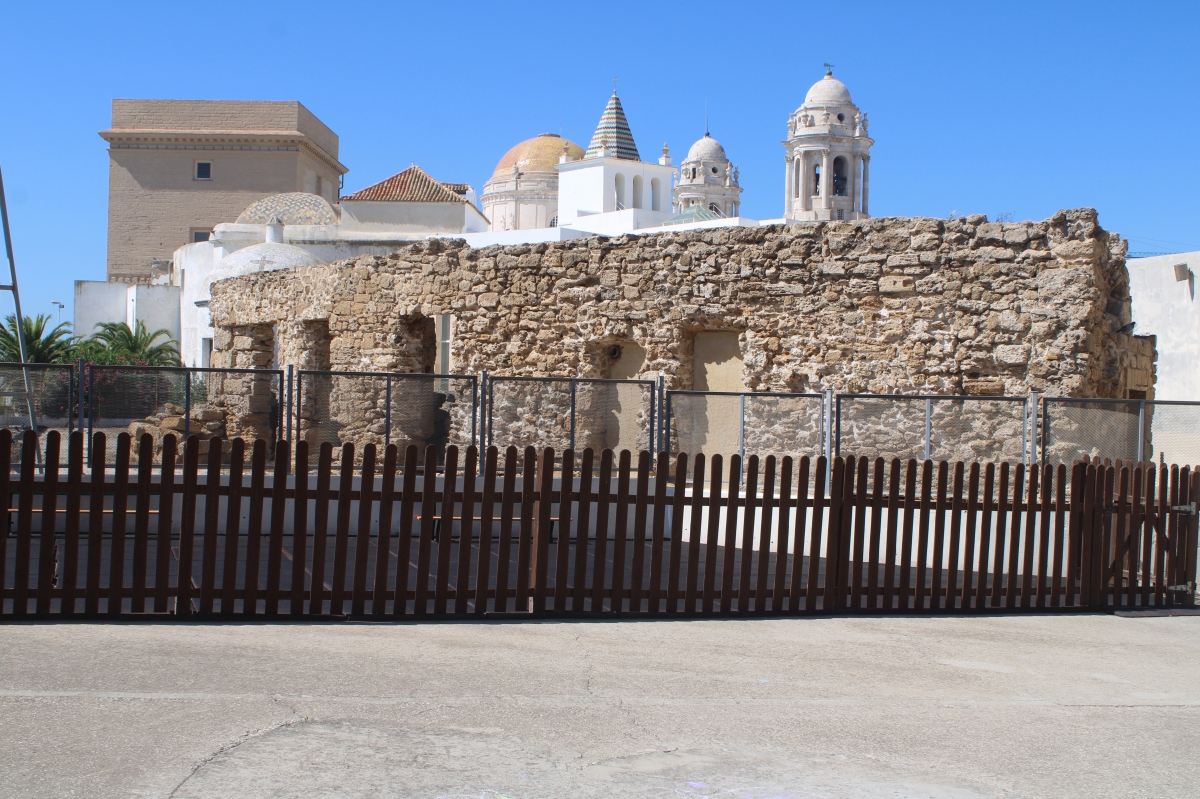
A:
x: 386, y: 408
x: 575, y: 413
x: 1127, y: 430
x: 424, y: 409
x: 37, y: 396
x: 718, y: 422
x: 162, y: 400
x: 933, y: 427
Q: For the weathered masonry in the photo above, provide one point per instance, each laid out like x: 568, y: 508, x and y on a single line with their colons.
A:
x: 893, y: 305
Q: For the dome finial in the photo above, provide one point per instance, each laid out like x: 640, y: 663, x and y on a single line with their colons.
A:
x: 828, y: 70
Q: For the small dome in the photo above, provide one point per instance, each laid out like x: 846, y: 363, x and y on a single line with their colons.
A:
x: 293, y: 208
x: 266, y: 257
x: 828, y: 91
x: 538, y: 154
x: 707, y: 149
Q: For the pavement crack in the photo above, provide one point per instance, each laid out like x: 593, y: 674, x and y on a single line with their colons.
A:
x: 587, y: 659
x: 229, y: 747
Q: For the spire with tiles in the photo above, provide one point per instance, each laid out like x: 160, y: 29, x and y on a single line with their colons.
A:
x: 613, y: 134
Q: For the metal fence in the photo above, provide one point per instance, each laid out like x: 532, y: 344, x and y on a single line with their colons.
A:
x: 580, y: 413
x: 38, y: 396
x: 1129, y: 430
x: 724, y: 422
x: 229, y: 403
x: 572, y: 413
x: 936, y: 428
x: 386, y: 408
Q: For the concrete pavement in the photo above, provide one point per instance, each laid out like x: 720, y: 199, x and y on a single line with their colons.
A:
x: 1055, y: 706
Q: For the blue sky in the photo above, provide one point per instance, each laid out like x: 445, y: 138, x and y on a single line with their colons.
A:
x: 1008, y: 108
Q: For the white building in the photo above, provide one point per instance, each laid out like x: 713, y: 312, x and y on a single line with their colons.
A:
x: 611, y: 190
x: 522, y: 193
x: 828, y: 156
x: 1162, y: 290
x: 280, y: 232
x: 707, y: 178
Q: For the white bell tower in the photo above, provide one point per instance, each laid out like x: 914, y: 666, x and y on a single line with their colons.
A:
x: 828, y: 156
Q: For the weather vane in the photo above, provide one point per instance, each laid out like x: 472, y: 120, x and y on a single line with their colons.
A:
x: 828, y: 69
x: 615, y: 85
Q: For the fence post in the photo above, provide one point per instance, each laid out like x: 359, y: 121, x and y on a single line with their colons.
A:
x: 1029, y: 430
x: 1141, y: 451
x: 299, y: 400
x: 187, y: 403
x: 572, y: 439
x: 91, y: 398
x: 742, y: 426
x: 288, y: 403
x: 833, y: 421
x: 485, y: 434
x: 387, y: 411
x: 660, y: 401
x: 1045, y: 430
x: 665, y: 424
x: 928, y: 426
x: 79, y: 394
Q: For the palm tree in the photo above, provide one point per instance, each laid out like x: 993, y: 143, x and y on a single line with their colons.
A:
x: 135, y: 345
x: 43, y: 346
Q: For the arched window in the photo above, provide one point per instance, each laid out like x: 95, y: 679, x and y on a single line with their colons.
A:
x: 619, y: 186
x: 554, y: 221
x: 716, y: 209
x: 655, y: 194
x: 816, y: 180
x: 637, y: 191
x: 839, y: 177
x: 797, y: 177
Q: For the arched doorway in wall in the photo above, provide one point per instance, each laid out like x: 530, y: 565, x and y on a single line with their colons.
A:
x: 637, y: 191
x: 619, y: 191
x: 655, y: 194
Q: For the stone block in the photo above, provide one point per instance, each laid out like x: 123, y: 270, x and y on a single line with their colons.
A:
x: 1012, y: 354
x: 896, y: 284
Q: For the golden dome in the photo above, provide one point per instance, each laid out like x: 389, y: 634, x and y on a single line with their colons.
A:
x: 538, y: 154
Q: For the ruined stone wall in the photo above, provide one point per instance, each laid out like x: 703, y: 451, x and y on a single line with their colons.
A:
x: 894, y: 305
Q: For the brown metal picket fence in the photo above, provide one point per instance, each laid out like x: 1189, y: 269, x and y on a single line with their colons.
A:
x: 527, y: 534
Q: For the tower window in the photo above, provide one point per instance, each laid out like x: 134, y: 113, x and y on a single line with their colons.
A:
x: 714, y: 170
x: 839, y: 177
x: 204, y: 170
x: 816, y: 179
x: 841, y: 117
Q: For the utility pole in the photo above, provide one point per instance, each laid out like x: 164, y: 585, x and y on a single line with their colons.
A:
x: 12, y: 286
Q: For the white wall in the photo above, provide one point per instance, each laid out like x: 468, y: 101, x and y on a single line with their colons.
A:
x: 155, y: 306
x: 1170, y: 311
x: 588, y: 187
x: 98, y: 301
x: 411, y: 217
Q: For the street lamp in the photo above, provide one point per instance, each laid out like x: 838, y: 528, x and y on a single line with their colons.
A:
x: 60, y: 307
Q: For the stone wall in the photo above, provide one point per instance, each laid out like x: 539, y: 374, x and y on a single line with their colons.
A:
x: 894, y: 305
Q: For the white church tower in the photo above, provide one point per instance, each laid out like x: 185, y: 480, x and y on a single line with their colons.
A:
x: 708, y: 179
x: 828, y: 155
x: 611, y: 190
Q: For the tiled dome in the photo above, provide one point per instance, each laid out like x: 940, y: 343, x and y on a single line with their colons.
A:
x: 293, y: 208
x: 538, y: 154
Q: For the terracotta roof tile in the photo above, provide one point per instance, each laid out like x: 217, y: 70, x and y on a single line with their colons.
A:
x: 413, y: 185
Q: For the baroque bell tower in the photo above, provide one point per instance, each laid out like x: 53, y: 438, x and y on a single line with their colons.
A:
x: 828, y: 155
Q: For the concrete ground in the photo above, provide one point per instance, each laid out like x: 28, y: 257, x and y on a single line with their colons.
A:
x: 1055, y: 706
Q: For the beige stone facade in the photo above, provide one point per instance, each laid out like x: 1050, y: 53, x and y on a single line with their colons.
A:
x: 894, y: 305
x: 156, y: 201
